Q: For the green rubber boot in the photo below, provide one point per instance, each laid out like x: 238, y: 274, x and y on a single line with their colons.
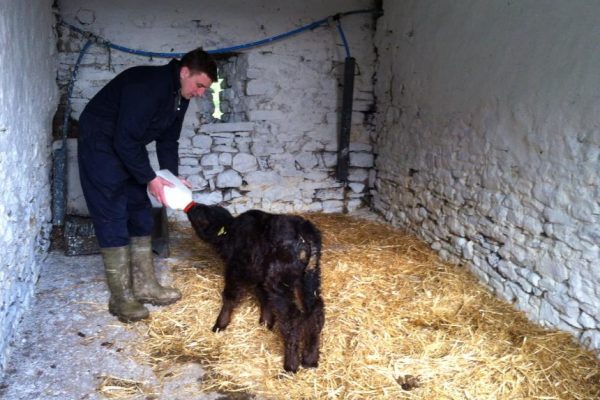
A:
x: 122, y: 303
x: 146, y: 288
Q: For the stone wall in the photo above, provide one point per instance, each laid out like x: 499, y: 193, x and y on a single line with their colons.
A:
x: 28, y: 99
x: 276, y: 148
x: 488, y: 143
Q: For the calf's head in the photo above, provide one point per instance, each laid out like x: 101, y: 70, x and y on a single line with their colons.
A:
x: 209, y: 222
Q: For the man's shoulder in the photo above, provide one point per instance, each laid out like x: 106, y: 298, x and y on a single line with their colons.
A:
x: 143, y: 71
x: 153, y: 77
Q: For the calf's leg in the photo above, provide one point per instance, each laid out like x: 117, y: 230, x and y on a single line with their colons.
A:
x: 231, y: 295
x: 311, y: 334
x: 266, y: 313
x: 290, y: 330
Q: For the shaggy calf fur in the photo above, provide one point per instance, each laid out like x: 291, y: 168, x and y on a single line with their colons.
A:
x: 278, y: 255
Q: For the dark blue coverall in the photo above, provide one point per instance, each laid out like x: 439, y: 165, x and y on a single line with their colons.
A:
x: 140, y: 105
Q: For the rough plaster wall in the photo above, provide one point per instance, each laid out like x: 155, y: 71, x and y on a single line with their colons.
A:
x: 28, y: 99
x: 278, y: 150
x: 488, y: 145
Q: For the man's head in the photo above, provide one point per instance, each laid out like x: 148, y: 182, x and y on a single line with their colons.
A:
x: 198, y: 71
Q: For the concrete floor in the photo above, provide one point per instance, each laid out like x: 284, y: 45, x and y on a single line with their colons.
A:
x: 69, y: 344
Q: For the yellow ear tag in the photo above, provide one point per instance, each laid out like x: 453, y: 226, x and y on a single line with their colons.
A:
x: 221, y: 231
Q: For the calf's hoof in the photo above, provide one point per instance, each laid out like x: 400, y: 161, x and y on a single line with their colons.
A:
x: 312, y: 364
x: 293, y: 370
x: 310, y: 360
x: 218, y: 328
x: 291, y: 367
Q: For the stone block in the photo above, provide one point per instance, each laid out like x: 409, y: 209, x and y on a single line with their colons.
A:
x: 265, y: 115
x: 225, y: 159
x: 257, y: 87
x: 363, y: 160
x: 259, y: 178
x: 244, y: 163
x: 333, y: 206
x: 228, y: 179
x: 210, y: 160
x: 224, y: 149
x: 202, y: 141
x: 227, y: 127
x: 356, y: 187
x: 306, y: 160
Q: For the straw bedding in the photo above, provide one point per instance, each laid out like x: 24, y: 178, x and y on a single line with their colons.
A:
x: 399, y: 323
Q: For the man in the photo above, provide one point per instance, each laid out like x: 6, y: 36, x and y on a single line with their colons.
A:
x: 140, y: 105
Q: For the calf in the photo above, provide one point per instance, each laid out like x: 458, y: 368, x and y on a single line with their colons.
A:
x: 279, y: 256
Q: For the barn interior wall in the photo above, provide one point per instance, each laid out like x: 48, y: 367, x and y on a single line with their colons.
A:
x: 488, y: 146
x: 28, y: 99
x: 277, y: 150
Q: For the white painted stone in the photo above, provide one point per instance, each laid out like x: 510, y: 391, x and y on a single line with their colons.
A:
x: 356, y: 187
x: 224, y: 149
x: 187, y: 170
x: 260, y: 178
x: 197, y: 182
x: 225, y: 159
x: 587, y: 321
x: 277, y: 194
x: 228, y: 179
x: 227, y: 127
x: 330, y: 159
x: 210, y: 198
x: 306, y: 160
x: 244, y: 163
x: 202, y: 141
x: 188, y: 161
x: 211, y: 171
x: 265, y: 115
x: 329, y: 194
x: 259, y: 87
x: 591, y: 338
x: 333, y: 206
x: 360, y: 147
x: 266, y: 148
x: 210, y: 160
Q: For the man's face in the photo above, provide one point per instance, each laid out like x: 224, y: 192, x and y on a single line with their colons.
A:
x: 193, y: 84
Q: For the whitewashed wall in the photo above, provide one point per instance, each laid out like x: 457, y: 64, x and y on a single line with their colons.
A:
x: 488, y: 142
x: 277, y: 152
x: 28, y: 99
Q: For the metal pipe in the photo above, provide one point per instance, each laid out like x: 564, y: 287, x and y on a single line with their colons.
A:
x: 346, y: 121
x: 59, y: 181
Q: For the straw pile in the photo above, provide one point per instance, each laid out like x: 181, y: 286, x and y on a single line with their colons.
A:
x: 399, y: 324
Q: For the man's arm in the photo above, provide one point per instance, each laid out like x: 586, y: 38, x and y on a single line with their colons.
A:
x: 167, y: 146
x: 136, y: 110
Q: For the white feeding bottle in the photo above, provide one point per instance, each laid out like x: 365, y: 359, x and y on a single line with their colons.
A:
x: 178, y: 197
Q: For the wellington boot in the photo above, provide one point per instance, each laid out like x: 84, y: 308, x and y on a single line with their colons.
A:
x: 122, y: 303
x: 146, y: 288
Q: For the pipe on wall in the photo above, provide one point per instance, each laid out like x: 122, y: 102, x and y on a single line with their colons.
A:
x: 343, y: 159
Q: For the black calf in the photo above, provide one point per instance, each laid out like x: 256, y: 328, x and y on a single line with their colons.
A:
x: 278, y: 255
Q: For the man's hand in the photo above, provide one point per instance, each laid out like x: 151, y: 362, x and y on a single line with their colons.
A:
x: 156, y: 187
x: 185, y: 182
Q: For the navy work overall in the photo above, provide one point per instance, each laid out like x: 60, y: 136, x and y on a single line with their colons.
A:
x: 141, y: 105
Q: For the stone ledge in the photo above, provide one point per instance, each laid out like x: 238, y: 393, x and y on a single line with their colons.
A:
x: 227, y: 127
